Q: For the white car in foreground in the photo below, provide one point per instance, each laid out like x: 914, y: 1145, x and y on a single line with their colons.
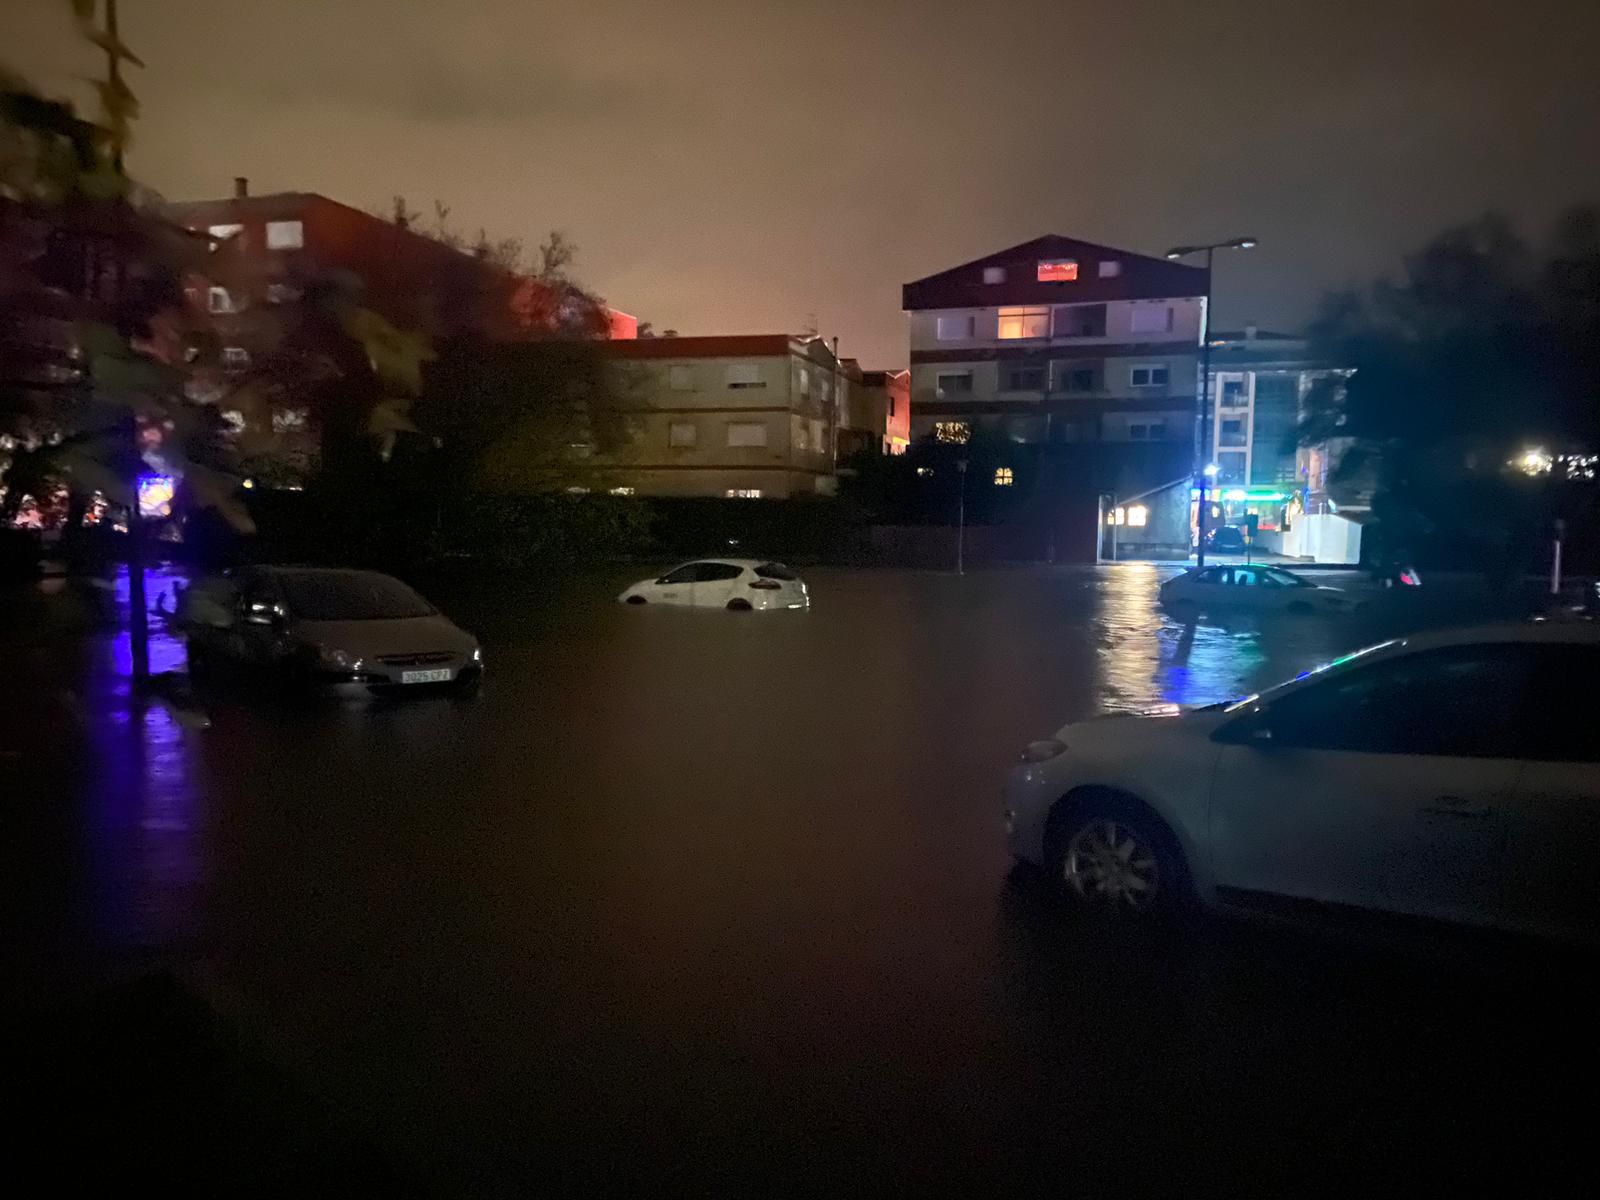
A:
x: 741, y: 584
x: 1451, y: 775
x: 1245, y: 586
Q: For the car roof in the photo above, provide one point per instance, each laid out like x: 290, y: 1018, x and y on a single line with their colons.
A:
x: 1538, y: 632
x: 751, y: 563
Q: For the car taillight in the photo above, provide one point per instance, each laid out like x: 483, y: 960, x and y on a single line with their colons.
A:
x: 766, y: 585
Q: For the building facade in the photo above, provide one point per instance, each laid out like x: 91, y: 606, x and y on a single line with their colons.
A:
x: 876, y: 415
x: 743, y: 417
x: 1058, y: 341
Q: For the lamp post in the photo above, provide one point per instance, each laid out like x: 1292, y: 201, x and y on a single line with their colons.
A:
x: 1208, y: 468
x: 961, y: 517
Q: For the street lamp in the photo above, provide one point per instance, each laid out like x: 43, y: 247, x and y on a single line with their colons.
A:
x: 1208, y: 249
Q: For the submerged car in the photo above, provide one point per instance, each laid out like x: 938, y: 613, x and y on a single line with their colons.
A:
x: 741, y: 584
x: 320, y: 625
x: 1453, y: 776
x: 1240, y: 585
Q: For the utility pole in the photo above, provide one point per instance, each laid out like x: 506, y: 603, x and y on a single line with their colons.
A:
x: 961, y: 516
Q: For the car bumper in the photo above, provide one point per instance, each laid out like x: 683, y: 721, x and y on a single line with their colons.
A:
x: 1031, y: 789
x: 387, y: 678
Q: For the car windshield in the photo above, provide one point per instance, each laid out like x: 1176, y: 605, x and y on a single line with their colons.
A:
x: 1335, y: 664
x: 351, y: 596
x: 1285, y: 579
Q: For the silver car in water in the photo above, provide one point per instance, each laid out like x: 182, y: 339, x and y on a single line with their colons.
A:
x: 327, y: 626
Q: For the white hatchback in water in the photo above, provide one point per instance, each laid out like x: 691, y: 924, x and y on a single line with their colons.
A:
x: 1251, y: 586
x: 1451, y: 775
x: 741, y: 584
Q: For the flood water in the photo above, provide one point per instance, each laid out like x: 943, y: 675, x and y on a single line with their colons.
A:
x: 718, y: 903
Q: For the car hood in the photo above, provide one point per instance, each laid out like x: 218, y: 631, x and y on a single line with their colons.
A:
x: 1126, y: 728
x: 374, y: 639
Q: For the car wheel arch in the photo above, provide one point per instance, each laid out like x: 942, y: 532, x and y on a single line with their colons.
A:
x: 1088, y: 797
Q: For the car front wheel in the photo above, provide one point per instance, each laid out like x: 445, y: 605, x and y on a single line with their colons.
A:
x: 1112, y: 856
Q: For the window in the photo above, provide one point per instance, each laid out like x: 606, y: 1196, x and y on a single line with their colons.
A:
x: 1475, y: 706
x: 620, y: 491
x: 956, y: 328
x: 1138, y: 516
x: 743, y: 375
x: 687, y: 573
x: 957, y: 433
x: 235, y: 358
x: 1110, y: 268
x: 802, y: 380
x: 1003, y: 477
x: 682, y: 433
x: 220, y: 301
x: 223, y: 232
x: 1148, y: 431
x: 747, y: 433
x: 1277, y: 578
x: 1242, y: 577
x: 1024, y: 323
x: 1148, y: 377
x: 954, y: 383
x: 1151, y: 318
x: 775, y: 570
x: 994, y: 274
x: 680, y: 378
x: 1076, y: 378
x: 1057, y: 270
x: 797, y: 432
x: 1234, y: 394
x: 1022, y: 379
x: 744, y: 493
x: 285, y: 235
x: 713, y: 572
x: 1081, y: 320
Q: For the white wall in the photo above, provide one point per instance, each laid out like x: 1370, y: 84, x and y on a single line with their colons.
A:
x: 1324, y: 538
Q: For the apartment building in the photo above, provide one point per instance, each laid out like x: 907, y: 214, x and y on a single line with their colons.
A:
x: 742, y: 417
x: 1057, y: 341
x: 876, y: 415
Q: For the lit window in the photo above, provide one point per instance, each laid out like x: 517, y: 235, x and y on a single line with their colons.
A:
x: 994, y: 274
x: 235, y: 358
x: 1057, y: 270
x: 747, y: 433
x: 1003, y: 477
x: 680, y: 378
x: 1151, y: 318
x: 223, y: 232
x: 925, y: 472
x: 1138, y: 516
x: 220, y: 301
x: 682, y: 433
x: 1110, y: 268
x: 958, y: 433
x: 743, y: 493
x: 952, y: 383
x: 1148, y: 377
x: 1114, y: 517
x: 1024, y: 323
x: 956, y: 328
x: 285, y: 235
x: 743, y: 375
x: 621, y: 491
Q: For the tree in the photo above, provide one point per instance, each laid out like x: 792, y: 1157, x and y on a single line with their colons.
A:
x: 1485, y: 347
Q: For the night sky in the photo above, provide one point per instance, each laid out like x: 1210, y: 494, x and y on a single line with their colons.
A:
x: 744, y: 166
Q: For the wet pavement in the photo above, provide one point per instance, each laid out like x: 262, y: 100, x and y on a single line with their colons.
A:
x: 715, y: 902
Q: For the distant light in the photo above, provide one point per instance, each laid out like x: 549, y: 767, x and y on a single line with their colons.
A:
x: 1534, y: 461
x: 1235, y: 494
x: 155, y: 496
x: 1211, y: 469
x: 249, y: 483
x: 1246, y: 243
x: 1138, y: 516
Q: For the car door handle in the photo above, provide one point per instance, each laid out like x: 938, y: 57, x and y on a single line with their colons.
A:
x: 1456, y: 806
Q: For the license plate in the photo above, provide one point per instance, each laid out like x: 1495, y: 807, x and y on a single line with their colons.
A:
x: 440, y: 676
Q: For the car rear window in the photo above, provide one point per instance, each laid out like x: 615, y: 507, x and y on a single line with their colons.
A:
x: 775, y: 571
x: 712, y: 572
